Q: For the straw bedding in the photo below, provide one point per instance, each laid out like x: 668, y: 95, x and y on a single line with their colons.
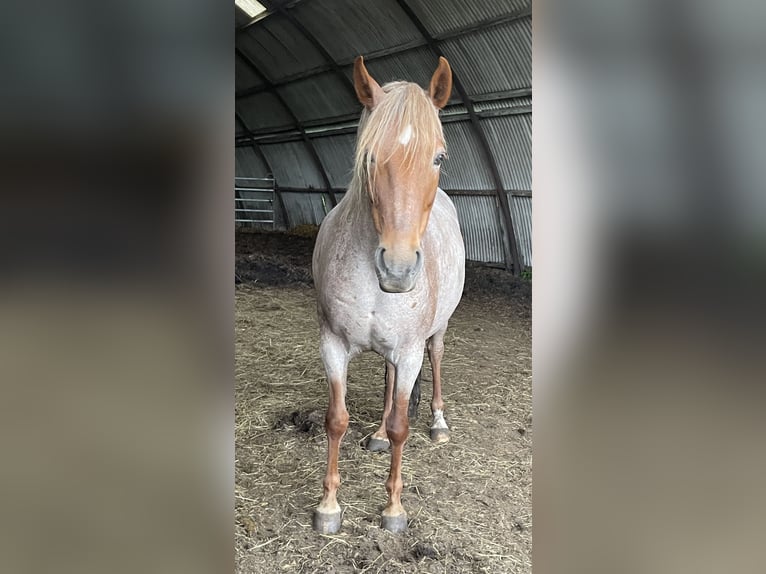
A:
x: 468, y: 501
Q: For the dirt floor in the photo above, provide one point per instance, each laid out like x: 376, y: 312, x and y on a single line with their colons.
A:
x: 468, y: 501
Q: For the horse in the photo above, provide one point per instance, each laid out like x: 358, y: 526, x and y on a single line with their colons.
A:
x: 389, y: 268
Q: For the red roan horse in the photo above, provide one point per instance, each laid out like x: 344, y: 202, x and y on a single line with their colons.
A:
x: 388, y: 266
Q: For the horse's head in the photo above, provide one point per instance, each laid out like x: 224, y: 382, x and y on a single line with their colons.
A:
x: 399, y: 150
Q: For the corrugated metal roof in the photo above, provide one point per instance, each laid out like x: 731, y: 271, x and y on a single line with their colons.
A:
x: 498, y: 59
x: 292, y: 165
x: 263, y: 110
x: 347, y: 28
x: 244, y: 76
x: 248, y: 164
x: 510, y: 138
x: 337, y: 156
x: 521, y: 213
x: 482, y: 232
x: 442, y: 16
x: 306, y: 208
x: 278, y: 47
x: 464, y: 169
x: 240, y: 17
x: 318, y: 97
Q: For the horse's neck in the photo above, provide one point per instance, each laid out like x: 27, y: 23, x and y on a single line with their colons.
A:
x: 359, y: 214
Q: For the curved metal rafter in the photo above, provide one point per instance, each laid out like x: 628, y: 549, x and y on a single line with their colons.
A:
x: 332, y: 64
x: 505, y: 208
x: 299, y: 126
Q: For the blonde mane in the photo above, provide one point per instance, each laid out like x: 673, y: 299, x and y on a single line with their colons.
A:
x: 405, y: 104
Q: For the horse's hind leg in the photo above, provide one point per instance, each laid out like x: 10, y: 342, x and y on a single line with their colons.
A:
x: 439, y: 428
x: 327, y: 516
x: 412, y: 410
x: 379, y: 439
x: 397, y: 427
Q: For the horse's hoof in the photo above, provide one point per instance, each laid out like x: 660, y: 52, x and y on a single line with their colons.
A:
x: 439, y: 435
x: 326, y: 523
x: 394, y: 523
x: 377, y: 445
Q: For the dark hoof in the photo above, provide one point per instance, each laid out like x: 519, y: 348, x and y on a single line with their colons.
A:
x: 325, y: 523
x: 377, y: 445
x: 394, y: 523
x: 439, y: 435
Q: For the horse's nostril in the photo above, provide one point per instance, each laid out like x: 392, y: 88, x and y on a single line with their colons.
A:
x: 379, y: 261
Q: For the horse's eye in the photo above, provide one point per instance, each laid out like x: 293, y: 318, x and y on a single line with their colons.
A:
x: 439, y: 158
x: 369, y: 157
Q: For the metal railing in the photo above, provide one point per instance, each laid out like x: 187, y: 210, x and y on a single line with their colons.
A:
x: 246, y: 207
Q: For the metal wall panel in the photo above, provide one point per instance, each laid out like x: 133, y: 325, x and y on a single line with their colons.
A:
x: 278, y: 48
x: 337, y: 155
x: 263, y: 110
x: 321, y: 96
x: 248, y: 164
x: 292, y: 165
x: 482, y: 232
x: 495, y: 60
x: 511, y: 140
x: 521, y: 212
x: 442, y: 16
x: 464, y: 168
x: 306, y: 208
x: 347, y: 28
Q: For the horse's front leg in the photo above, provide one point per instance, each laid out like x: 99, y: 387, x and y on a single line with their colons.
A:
x: 397, y: 428
x: 327, y: 516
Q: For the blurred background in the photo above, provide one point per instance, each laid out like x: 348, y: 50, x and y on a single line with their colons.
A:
x: 649, y: 220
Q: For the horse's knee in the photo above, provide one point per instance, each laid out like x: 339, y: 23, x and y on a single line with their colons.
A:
x: 397, y: 426
x: 336, y: 422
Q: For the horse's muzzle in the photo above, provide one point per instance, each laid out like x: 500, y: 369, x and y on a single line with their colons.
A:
x: 396, y: 275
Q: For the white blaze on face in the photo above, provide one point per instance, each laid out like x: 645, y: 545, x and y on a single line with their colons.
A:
x: 439, y: 422
x: 406, y: 135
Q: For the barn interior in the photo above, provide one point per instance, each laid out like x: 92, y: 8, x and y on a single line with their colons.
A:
x: 296, y: 121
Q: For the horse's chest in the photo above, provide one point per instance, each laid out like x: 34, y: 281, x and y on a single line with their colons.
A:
x: 369, y: 325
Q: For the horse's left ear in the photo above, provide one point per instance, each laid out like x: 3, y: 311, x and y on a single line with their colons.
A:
x: 441, y: 83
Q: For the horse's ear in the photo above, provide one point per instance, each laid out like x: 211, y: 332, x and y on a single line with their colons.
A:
x: 441, y: 83
x: 367, y: 89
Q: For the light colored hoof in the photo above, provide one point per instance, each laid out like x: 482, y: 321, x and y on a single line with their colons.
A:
x: 326, y: 523
x: 378, y: 445
x: 394, y: 523
x: 439, y: 435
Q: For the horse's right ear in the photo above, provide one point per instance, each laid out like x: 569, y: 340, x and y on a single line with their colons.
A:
x: 367, y: 89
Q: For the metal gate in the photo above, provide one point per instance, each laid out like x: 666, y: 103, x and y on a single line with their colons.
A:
x: 254, y: 202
